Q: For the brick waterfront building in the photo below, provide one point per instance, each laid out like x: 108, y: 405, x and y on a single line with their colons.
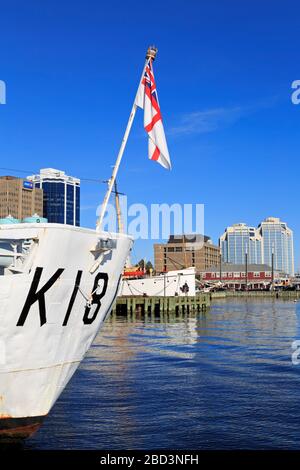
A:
x: 234, y: 275
x: 183, y: 251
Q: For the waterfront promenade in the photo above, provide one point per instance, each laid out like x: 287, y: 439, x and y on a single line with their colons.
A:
x: 288, y: 295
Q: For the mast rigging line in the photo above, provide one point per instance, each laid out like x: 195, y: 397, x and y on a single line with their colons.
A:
x: 31, y: 172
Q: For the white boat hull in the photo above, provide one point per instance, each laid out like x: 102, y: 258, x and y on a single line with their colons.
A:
x: 51, y: 309
x: 169, y: 284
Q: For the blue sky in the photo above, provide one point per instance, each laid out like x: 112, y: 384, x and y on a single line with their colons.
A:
x: 224, y: 74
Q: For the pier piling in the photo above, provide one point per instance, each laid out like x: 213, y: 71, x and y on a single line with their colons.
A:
x: 144, y: 306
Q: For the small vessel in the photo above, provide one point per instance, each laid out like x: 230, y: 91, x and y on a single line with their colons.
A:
x: 172, y: 283
x: 58, y: 283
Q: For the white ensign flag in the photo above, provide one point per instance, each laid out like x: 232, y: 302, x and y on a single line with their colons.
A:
x: 147, y: 99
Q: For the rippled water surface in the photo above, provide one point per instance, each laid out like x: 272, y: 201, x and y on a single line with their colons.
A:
x: 223, y: 379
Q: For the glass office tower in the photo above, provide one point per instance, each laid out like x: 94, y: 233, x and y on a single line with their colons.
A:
x: 277, y: 238
x: 271, y: 236
x: 238, y: 240
x: 61, y: 196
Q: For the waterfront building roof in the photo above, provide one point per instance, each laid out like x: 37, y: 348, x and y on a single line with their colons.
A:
x: 229, y: 267
x: 189, y: 238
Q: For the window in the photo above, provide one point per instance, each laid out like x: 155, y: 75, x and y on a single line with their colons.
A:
x: 54, y: 201
x: 70, y: 204
x: 77, y: 211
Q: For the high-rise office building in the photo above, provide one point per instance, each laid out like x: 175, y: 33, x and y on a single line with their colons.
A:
x: 19, y: 198
x: 238, y: 240
x: 61, y: 196
x: 277, y: 239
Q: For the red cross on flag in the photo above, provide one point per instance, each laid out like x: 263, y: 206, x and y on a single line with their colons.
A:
x: 147, y: 99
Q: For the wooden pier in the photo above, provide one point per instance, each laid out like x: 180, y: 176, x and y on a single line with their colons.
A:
x: 155, y: 305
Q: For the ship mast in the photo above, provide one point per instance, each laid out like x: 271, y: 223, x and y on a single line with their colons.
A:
x: 119, y: 218
x: 151, y: 54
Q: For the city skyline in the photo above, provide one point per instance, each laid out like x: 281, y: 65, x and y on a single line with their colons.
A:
x: 58, y: 207
x: 230, y: 123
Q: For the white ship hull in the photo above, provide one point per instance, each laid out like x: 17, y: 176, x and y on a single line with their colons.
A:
x: 171, y: 284
x: 56, y: 289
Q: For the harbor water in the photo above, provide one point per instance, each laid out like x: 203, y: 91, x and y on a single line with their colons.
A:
x: 223, y: 379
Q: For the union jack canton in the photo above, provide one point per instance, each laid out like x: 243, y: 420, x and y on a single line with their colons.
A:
x: 147, y: 99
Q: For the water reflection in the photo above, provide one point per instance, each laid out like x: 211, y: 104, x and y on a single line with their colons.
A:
x: 221, y: 379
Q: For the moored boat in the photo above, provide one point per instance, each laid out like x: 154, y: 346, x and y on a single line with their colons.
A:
x: 173, y: 283
x: 57, y: 285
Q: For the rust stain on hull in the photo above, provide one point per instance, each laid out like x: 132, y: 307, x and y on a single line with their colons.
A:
x: 15, y: 429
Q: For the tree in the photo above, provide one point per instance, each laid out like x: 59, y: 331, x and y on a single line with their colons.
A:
x: 145, y: 266
x: 141, y: 264
x: 149, y: 267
